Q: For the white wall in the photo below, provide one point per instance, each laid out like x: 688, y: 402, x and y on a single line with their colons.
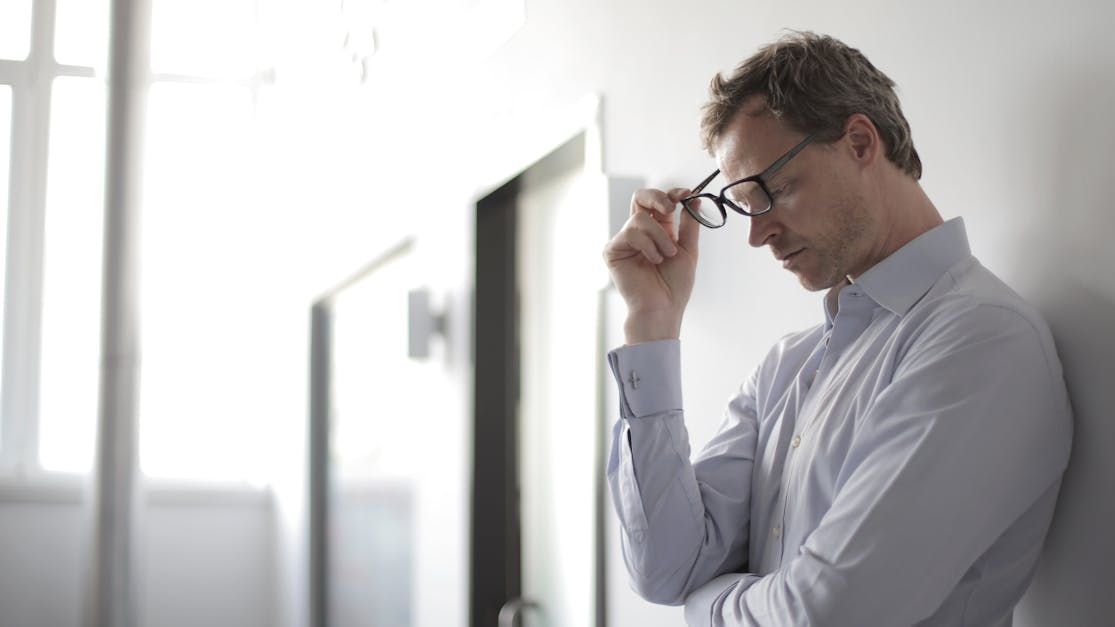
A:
x: 204, y: 559
x: 1010, y: 108
x: 208, y: 561
x: 43, y: 549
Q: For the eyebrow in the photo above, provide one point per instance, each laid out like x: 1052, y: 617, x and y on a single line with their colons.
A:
x: 782, y: 174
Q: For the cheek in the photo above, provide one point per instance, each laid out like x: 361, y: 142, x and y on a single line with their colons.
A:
x: 850, y: 229
x: 808, y: 213
x: 832, y: 227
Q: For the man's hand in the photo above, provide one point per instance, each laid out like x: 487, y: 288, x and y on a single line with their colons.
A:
x: 653, y: 263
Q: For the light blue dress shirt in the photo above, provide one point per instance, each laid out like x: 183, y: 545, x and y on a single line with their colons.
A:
x: 896, y: 465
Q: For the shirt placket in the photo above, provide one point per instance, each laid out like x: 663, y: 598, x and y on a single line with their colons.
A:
x: 807, y: 380
x: 852, y: 318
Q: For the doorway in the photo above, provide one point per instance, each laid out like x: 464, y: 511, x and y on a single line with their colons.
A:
x: 537, y: 485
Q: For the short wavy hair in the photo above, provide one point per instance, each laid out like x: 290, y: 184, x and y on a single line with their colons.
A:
x: 813, y: 83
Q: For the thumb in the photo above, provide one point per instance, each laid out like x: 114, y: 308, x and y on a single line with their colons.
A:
x: 689, y: 230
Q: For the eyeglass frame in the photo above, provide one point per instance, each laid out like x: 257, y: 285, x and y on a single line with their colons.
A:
x: 720, y: 200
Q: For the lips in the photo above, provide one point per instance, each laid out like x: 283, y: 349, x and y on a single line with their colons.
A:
x: 788, y: 259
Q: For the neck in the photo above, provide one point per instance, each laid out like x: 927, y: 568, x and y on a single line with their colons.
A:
x: 906, y: 212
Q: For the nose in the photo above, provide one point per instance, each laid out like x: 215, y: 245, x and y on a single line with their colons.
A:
x: 764, y: 228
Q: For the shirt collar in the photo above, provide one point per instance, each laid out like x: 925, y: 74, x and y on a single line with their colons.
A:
x: 900, y: 280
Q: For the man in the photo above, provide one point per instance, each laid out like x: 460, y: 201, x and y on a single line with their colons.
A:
x: 897, y: 464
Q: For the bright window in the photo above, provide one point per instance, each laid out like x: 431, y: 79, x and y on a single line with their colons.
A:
x: 70, y: 346
x: 52, y: 133
x: 15, y: 29
x: 375, y: 384
x: 81, y: 32
x: 204, y: 379
x: 210, y: 38
x: 211, y: 312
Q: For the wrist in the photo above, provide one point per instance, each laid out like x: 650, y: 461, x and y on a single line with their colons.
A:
x: 650, y: 327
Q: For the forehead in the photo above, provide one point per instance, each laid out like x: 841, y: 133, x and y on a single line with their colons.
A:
x: 751, y: 143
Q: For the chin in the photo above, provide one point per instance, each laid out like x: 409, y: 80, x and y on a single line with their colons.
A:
x: 814, y: 283
x: 812, y: 287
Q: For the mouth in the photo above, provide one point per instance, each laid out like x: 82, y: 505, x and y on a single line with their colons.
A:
x: 788, y: 259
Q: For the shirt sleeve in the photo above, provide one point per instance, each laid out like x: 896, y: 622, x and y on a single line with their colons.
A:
x: 973, y: 428
x: 681, y: 523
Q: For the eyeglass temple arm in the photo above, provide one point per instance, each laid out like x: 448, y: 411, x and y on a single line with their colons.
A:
x: 701, y: 186
x: 786, y: 157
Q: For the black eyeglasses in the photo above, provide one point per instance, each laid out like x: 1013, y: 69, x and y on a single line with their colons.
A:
x: 748, y: 196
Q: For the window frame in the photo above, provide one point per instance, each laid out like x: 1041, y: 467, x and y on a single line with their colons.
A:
x: 31, y: 81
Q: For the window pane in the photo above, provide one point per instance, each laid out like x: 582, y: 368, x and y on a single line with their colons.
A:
x: 81, y: 32
x: 15, y: 29
x: 376, y: 452
x: 5, y: 166
x: 370, y: 346
x: 203, y: 37
x: 208, y: 335
x: 72, y: 275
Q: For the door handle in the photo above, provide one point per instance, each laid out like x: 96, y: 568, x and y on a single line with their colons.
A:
x: 510, y: 612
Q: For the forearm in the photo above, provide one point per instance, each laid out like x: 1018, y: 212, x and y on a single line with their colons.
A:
x: 662, y: 530
x: 682, y: 523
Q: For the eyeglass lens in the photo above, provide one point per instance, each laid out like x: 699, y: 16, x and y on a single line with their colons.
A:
x: 705, y: 210
x: 749, y: 197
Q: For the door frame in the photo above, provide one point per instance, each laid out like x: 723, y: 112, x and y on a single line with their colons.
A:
x: 320, y: 425
x: 494, y: 463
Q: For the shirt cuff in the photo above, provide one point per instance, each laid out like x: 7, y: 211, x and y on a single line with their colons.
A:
x: 699, y: 604
x: 649, y: 376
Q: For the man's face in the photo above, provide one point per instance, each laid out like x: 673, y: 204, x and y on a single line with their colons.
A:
x: 821, y: 227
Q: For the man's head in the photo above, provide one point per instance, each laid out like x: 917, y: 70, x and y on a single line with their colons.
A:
x: 834, y: 200
x: 812, y: 83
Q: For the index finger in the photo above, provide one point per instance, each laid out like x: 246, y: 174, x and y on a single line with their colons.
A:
x: 656, y: 200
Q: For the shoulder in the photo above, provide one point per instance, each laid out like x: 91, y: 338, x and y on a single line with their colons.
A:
x: 971, y: 306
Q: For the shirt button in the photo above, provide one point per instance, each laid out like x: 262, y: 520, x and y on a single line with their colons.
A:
x: 776, y: 532
x: 797, y: 441
x: 638, y: 537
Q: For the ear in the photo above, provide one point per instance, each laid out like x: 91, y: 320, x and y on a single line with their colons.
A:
x: 863, y: 140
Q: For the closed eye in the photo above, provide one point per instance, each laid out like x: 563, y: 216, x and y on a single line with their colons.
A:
x: 782, y: 188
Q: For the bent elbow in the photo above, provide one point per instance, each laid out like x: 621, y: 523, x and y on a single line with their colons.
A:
x: 660, y: 591
x: 665, y: 570
x: 657, y: 576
